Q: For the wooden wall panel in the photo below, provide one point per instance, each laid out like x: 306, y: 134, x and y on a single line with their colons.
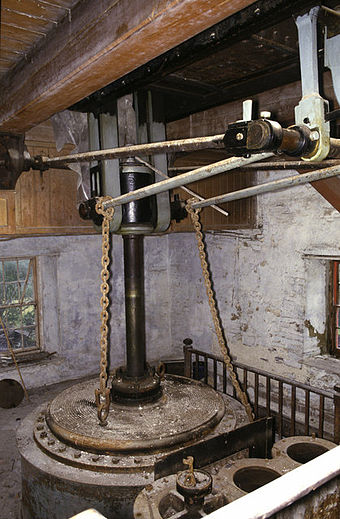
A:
x: 43, y: 203
x: 7, y: 212
x: 242, y: 213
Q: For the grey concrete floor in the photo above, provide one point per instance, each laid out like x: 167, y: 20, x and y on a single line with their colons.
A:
x: 10, y: 475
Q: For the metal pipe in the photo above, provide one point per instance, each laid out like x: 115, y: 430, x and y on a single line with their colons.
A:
x: 186, y: 189
x: 197, y: 143
x: 269, y: 187
x: 283, y: 491
x: 186, y: 178
x: 280, y: 164
x: 334, y: 150
x: 134, y: 305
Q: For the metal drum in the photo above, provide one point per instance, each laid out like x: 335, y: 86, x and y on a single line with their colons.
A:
x: 71, y: 463
x: 297, y: 450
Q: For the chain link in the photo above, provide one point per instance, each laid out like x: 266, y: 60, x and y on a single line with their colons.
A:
x: 194, y: 214
x: 102, y: 394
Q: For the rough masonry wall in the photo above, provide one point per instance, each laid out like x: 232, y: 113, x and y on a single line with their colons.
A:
x: 68, y: 270
x: 271, y: 286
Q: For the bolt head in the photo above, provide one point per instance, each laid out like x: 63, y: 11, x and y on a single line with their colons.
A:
x: 239, y: 136
x: 314, y: 136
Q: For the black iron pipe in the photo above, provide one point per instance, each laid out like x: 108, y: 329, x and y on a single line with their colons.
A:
x: 134, y: 305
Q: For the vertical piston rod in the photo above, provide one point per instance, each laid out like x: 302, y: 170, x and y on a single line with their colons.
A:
x: 134, y: 305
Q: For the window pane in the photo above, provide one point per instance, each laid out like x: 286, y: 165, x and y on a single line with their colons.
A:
x: 14, y: 339
x: 3, y: 342
x: 23, y: 268
x: 18, y: 304
x: 28, y: 315
x: 29, y: 337
x: 12, y: 317
x: 29, y: 292
x: 12, y: 293
x: 10, y: 268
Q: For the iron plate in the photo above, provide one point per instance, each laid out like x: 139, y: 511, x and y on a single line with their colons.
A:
x: 187, y: 410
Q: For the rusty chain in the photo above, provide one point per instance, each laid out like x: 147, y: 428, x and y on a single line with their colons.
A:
x: 102, y: 394
x: 194, y: 214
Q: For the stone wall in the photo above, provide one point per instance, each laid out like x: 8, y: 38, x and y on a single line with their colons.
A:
x: 68, y: 271
x: 271, y: 285
x: 270, y: 282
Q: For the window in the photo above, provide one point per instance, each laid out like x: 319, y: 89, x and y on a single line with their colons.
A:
x: 242, y: 213
x: 18, y: 305
x: 335, y: 310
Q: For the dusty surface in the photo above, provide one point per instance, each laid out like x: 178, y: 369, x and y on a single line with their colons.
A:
x: 186, y: 409
x: 10, y: 478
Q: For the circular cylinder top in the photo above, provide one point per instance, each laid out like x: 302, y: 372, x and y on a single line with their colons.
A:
x: 187, y: 410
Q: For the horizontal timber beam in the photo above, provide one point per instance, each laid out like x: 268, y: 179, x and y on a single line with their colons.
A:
x: 98, y: 43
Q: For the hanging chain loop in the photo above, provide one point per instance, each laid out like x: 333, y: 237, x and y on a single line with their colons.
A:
x: 102, y: 394
x: 242, y: 395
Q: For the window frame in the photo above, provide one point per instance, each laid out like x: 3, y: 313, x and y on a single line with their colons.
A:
x: 32, y: 268
x: 335, y: 308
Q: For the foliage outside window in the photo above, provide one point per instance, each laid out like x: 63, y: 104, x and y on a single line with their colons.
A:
x: 18, y: 305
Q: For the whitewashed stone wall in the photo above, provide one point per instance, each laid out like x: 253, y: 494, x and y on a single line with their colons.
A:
x: 270, y: 284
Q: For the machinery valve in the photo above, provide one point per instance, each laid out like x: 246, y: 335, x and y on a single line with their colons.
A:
x: 243, y: 138
x: 193, y: 485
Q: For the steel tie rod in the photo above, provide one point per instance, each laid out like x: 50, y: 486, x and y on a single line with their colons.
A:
x: 187, y: 190
x: 151, y: 148
x: 192, y: 176
x: 269, y: 187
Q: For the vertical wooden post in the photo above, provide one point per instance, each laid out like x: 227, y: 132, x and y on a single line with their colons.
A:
x: 187, y: 358
x: 337, y: 414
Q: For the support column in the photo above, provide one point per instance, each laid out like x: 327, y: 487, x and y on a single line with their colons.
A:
x: 134, y: 305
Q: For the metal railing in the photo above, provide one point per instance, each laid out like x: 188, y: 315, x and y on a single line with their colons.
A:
x: 298, y: 409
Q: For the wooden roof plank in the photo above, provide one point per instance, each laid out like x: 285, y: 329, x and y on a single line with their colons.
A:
x: 31, y: 7
x: 96, y: 46
x: 26, y: 21
x: 18, y: 34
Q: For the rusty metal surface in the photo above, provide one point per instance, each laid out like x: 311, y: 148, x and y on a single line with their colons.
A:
x: 301, y: 449
x: 37, y: 442
x: 162, y: 500
x: 320, y: 422
x: 59, y: 480
x: 151, y: 148
x: 187, y: 409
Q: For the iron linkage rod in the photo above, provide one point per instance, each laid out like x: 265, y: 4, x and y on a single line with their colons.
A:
x: 152, y: 148
x: 269, y: 187
x: 186, y: 189
x: 280, y: 164
x: 192, y: 176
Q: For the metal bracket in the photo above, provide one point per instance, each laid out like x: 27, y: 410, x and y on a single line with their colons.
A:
x: 312, y: 108
x: 106, y: 128
x: 14, y: 159
x: 153, y: 130
x: 332, y: 60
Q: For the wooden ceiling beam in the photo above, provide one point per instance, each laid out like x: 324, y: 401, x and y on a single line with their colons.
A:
x: 97, y: 44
